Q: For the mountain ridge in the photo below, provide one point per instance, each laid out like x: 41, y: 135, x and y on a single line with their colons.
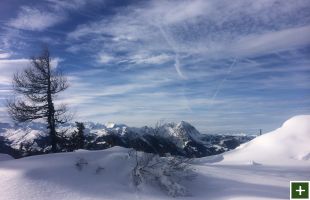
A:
x: 175, y: 138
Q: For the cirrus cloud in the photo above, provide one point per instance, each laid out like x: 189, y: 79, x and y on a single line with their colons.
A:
x: 34, y: 19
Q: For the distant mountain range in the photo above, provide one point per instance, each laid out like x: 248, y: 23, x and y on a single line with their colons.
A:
x: 177, y: 139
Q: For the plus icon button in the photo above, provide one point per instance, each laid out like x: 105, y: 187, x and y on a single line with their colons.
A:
x: 300, y: 190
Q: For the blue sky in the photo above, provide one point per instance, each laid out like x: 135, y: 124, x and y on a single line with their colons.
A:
x: 221, y: 65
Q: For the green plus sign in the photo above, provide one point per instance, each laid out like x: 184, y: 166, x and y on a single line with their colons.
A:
x: 299, y: 190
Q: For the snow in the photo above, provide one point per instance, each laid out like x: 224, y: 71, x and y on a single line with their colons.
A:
x: 260, y: 169
x: 22, y: 134
x: 288, y: 145
x: 5, y: 157
x: 56, y: 176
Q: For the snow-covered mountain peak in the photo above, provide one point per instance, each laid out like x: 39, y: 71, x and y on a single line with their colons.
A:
x: 117, y: 128
x: 112, y: 125
x: 93, y: 125
x: 184, y: 123
x: 188, y: 129
x: 181, y: 133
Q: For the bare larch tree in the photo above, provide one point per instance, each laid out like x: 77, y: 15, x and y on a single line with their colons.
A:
x: 36, y: 88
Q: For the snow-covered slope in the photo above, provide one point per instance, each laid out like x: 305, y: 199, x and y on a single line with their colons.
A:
x: 288, y: 145
x: 4, y: 157
x: 107, y: 176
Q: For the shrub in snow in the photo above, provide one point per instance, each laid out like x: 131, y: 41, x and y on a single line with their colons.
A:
x: 81, y: 163
x: 99, y: 169
x: 166, y: 172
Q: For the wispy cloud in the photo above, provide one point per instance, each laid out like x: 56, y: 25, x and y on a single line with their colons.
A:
x: 199, y: 28
x: 41, y: 17
x: 59, y: 5
x: 202, y: 39
x: 271, y: 42
x: 143, y: 58
x: 34, y: 19
x: 216, y: 64
x: 4, y: 54
x: 105, y: 58
x: 9, y: 66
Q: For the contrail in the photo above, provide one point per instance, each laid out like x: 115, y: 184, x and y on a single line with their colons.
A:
x: 218, y: 88
x: 177, y: 64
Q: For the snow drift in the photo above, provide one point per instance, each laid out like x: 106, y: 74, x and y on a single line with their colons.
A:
x: 288, y: 145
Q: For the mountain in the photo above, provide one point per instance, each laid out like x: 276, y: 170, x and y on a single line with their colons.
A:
x: 177, y: 139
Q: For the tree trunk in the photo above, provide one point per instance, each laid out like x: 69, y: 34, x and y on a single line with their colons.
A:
x: 51, y: 124
x: 51, y: 111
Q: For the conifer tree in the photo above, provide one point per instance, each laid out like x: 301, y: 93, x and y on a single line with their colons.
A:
x: 36, y: 88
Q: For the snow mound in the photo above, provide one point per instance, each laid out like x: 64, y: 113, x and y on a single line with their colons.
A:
x: 5, y: 157
x: 288, y: 145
